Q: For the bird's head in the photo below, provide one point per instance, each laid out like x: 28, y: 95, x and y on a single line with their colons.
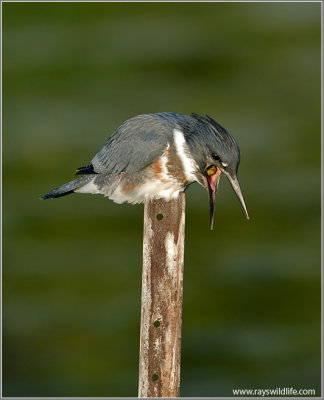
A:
x: 216, y: 152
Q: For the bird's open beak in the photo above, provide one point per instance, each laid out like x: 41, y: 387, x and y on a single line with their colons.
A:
x: 212, y: 175
x: 236, y: 187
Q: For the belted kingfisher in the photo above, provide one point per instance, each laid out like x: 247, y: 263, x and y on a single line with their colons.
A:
x: 157, y: 156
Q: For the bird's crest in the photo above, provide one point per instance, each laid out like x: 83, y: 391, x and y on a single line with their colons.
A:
x: 211, y: 122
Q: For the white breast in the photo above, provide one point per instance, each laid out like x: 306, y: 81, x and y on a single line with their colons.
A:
x: 188, y: 163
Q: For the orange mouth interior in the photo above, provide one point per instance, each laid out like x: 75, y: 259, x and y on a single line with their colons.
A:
x: 213, y: 175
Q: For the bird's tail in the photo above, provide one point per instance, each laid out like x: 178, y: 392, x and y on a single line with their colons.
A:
x: 68, y: 188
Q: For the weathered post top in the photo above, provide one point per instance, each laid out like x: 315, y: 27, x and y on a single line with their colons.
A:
x: 162, y: 290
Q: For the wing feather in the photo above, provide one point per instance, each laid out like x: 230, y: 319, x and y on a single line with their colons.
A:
x: 135, y: 144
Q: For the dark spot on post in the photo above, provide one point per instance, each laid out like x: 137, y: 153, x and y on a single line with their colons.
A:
x: 159, y: 217
x: 156, y: 324
x: 155, y: 377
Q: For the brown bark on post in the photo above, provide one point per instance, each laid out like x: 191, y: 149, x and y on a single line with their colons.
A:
x: 162, y: 291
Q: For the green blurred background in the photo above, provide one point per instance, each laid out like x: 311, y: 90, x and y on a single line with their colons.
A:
x: 72, y: 73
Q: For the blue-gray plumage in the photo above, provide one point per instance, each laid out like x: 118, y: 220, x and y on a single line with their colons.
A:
x: 158, y: 156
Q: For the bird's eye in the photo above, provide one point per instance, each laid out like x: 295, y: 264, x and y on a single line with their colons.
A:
x: 215, y: 157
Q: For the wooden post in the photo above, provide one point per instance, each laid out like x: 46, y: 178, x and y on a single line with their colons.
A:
x: 162, y: 290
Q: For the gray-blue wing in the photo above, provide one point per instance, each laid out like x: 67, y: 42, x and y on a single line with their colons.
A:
x: 135, y: 144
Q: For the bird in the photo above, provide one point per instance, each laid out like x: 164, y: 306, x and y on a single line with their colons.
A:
x: 157, y: 156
